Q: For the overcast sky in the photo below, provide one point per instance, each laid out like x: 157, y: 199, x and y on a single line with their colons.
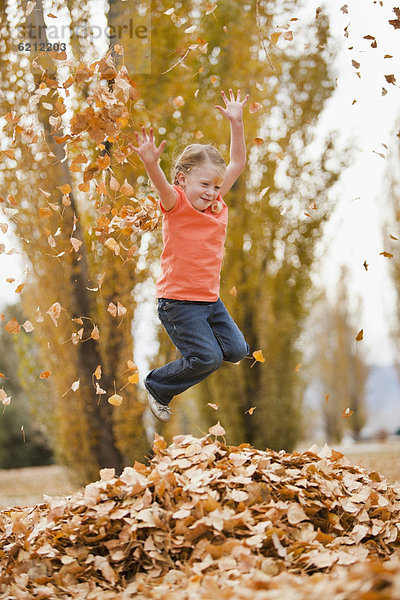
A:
x: 354, y: 234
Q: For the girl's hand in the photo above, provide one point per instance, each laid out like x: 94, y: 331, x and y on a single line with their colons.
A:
x: 234, y: 108
x: 146, y: 148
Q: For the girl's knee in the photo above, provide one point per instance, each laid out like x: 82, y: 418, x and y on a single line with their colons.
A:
x: 239, y: 353
x: 211, y: 361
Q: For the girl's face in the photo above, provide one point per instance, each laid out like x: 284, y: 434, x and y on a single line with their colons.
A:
x: 201, y: 185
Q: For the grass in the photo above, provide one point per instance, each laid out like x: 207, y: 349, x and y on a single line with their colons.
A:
x: 24, y: 487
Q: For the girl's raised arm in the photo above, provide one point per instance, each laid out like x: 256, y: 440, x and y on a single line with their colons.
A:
x: 150, y: 154
x: 233, y: 111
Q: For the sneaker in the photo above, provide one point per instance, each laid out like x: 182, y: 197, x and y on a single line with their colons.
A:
x: 161, y: 411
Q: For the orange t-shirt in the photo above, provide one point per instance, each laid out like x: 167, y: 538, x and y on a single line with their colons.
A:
x: 193, y: 249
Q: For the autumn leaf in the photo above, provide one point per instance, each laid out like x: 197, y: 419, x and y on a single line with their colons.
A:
x: 275, y: 37
x: 365, y: 265
x: 97, y: 372
x: 54, y: 312
x: 255, y: 107
x: 386, y: 254
x: 45, y: 375
x: 217, y: 430
x: 65, y: 189
x: 250, y: 411
x: 214, y: 406
x: 258, y: 357
x: 233, y: 291
x: 360, y: 335
x: 95, y: 334
x: 12, y: 326
x: 347, y: 413
x: 115, y: 400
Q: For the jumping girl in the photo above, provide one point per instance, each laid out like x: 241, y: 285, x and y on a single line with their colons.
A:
x: 194, y: 226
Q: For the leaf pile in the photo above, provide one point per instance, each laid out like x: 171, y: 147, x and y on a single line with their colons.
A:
x: 202, y: 511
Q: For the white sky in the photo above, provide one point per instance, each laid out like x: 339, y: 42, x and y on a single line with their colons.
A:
x: 354, y: 232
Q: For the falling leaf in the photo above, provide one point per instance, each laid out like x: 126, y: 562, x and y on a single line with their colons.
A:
x: 318, y: 12
x: 250, y: 411
x: 390, y: 79
x: 233, y: 291
x: 326, y: 398
x: 76, y: 244
x: 288, y: 35
x: 347, y: 413
x: 12, y: 326
x: 115, y: 400
x: 4, y: 399
x: 258, y: 141
x: 95, y: 334
x: 54, y: 312
x: 134, y: 378
x: 297, y: 368
x: 97, y: 372
x: 386, y: 254
x: 45, y: 375
x: 360, y: 335
x: 75, y: 385
x: 355, y: 64
x: 344, y: 9
x: 254, y: 107
x: 258, y: 355
x: 365, y: 265
x: 65, y: 189
x: 275, y: 37
x: 19, y: 288
x: 132, y: 366
x: 217, y: 430
x: 393, y: 237
x: 214, y: 406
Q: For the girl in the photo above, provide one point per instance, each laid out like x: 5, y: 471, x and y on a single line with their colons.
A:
x: 194, y: 228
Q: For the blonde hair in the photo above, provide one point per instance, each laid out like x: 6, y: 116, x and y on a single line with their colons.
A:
x: 195, y: 155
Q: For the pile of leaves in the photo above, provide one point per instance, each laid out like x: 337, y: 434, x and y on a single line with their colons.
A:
x: 204, y: 518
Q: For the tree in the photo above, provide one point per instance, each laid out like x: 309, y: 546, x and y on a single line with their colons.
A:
x: 23, y: 439
x: 60, y: 235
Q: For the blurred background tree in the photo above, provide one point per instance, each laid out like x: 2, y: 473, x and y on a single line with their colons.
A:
x: 24, y: 441
x: 338, y: 363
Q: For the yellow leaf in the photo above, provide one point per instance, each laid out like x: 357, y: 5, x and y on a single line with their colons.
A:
x: 258, y: 355
x: 275, y: 37
x: 19, y: 289
x: 115, y: 400
x: 65, y: 189
x: 131, y: 365
x: 97, y: 372
x: 233, y: 291
x: 360, y: 335
x: 134, y: 378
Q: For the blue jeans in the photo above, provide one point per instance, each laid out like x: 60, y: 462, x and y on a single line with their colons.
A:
x: 205, y: 334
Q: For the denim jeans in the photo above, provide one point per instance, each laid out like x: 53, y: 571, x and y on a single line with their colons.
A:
x: 205, y: 334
